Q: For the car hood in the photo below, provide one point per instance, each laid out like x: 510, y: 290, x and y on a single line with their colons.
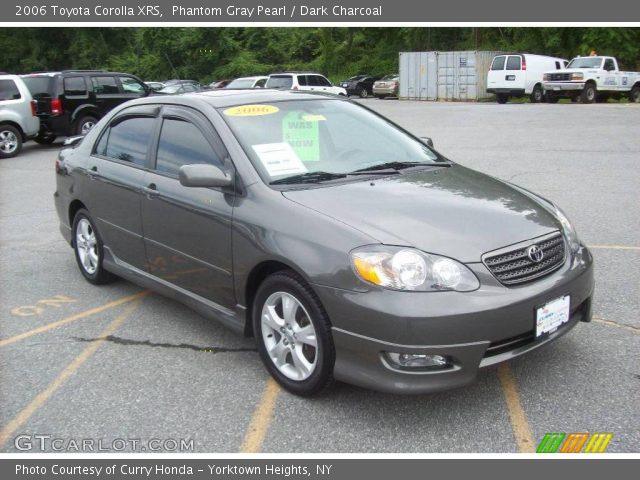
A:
x: 456, y: 212
x: 572, y: 70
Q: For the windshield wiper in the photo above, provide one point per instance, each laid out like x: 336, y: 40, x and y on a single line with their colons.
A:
x: 399, y: 166
x: 309, y: 177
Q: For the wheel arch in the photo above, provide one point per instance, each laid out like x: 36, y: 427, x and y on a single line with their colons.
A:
x: 16, y: 126
x: 74, y: 207
x: 255, y: 278
x: 85, y: 109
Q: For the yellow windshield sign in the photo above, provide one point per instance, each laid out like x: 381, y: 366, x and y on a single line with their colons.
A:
x: 251, y: 110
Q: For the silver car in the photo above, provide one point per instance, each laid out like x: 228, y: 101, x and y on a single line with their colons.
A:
x: 18, y: 120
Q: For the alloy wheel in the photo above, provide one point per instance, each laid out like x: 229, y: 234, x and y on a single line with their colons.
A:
x: 87, y: 246
x: 8, y: 142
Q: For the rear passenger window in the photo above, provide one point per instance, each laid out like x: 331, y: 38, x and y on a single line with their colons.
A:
x: 104, y: 85
x: 182, y: 143
x: 75, y: 86
x: 9, y: 90
x: 513, y: 63
x: 128, y: 140
x: 498, y: 63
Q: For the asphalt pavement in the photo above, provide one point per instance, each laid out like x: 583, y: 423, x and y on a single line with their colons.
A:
x: 116, y: 366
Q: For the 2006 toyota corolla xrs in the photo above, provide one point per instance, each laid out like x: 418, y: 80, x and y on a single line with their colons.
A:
x: 347, y: 247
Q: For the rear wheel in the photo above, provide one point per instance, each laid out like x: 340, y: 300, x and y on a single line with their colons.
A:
x: 537, y: 95
x: 45, y: 139
x: 10, y: 141
x: 293, y: 334
x: 501, y: 98
x: 589, y: 94
x: 85, y: 124
x: 635, y: 94
x: 89, y: 250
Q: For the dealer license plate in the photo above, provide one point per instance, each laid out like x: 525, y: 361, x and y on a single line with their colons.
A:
x: 552, y: 315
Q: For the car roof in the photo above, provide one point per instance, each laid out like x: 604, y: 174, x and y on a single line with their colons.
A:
x: 295, y: 73
x: 228, y: 98
x: 257, y: 77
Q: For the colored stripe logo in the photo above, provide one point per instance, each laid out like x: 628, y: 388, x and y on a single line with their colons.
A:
x: 574, y: 442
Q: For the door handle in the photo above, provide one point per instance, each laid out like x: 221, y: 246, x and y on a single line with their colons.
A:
x: 92, y: 172
x: 151, y: 190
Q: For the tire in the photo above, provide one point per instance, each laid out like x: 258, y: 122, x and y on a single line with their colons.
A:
x: 551, y: 98
x: 45, y: 139
x: 10, y: 141
x: 286, y: 341
x: 634, y: 96
x: 537, y: 95
x: 363, y: 92
x: 84, y: 124
x: 501, y: 98
x: 88, y: 248
x: 589, y: 94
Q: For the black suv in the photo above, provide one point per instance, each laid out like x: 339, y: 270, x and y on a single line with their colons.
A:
x: 72, y: 101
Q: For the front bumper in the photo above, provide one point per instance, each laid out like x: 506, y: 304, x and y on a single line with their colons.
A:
x: 473, y: 329
x: 563, y: 86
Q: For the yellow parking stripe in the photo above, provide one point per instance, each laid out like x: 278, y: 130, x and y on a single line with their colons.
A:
x: 72, y: 318
x: 23, y: 416
x: 519, y: 424
x: 261, y: 420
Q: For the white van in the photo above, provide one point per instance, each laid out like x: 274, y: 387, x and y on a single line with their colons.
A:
x: 520, y: 74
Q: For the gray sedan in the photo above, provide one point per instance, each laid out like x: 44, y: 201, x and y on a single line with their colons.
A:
x: 349, y: 248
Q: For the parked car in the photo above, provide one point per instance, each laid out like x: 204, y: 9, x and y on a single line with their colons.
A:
x: 592, y: 79
x: 176, y: 81
x: 216, y: 84
x: 18, y: 120
x: 348, y: 247
x: 520, y: 74
x: 303, y: 81
x: 387, y: 86
x: 247, y: 82
x: 155, y: 86
x: 72, y: 101
x: 360, y: 85
x: 178, y: 88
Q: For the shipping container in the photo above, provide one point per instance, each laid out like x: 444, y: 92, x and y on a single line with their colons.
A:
x: 448, y: 76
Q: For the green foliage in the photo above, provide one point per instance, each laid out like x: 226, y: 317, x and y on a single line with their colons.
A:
x: 206, y: 54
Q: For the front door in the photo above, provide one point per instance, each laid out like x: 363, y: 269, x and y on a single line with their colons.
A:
x: 187, y: 230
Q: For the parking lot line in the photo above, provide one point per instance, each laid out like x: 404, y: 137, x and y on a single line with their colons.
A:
x: 72, y: 318
x: 261, y: 420
x: 23, y: 416
x: 519, y: 422
x: 614, y: 247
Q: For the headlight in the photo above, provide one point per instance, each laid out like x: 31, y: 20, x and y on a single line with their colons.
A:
x: 401, y: 268
x: 546, y: 77
x: 577, y: 76
x: 569, y: 232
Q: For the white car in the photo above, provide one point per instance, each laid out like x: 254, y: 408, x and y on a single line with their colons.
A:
x: 307, y: 81
x: 18, y: 120
x: 519, y: 75
x: 592, y: 79
x: 248, y: 82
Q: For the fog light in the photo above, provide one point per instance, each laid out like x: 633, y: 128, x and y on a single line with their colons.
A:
x: 415, y: 361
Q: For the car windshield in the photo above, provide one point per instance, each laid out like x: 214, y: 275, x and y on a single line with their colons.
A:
x: 388, y: 78
x: 241, y: 83
x: 332, y: 137
x: 280, y: 81
x: 585, y: 62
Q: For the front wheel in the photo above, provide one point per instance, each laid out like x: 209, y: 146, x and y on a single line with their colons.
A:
x: 88, y: 248
x: 635, y: 94
x: 85, y: 124
x: 293, y: 334
x: 363, y: 93
x: 10, y: 141
x: 589, y: 94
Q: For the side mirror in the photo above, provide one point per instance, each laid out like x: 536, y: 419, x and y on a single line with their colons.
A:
x: 427, y: 141
x: 203, y: 175
x: 73, y: 141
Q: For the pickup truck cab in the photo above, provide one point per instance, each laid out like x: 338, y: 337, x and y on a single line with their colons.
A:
x: 591, y: 79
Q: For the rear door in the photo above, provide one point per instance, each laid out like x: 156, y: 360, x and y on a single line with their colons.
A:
x: 115, y: 178
x: 513, y: 74
x: 495, y: 77
x: 188, y: 230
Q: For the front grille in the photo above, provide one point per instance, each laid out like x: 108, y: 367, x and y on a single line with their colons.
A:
x: 515, y: 267
x: 559, y: 77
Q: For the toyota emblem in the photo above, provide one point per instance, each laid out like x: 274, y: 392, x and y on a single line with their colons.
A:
x: 535, y: 253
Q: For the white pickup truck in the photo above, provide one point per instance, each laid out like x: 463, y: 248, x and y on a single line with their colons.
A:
x: 591, y: 79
